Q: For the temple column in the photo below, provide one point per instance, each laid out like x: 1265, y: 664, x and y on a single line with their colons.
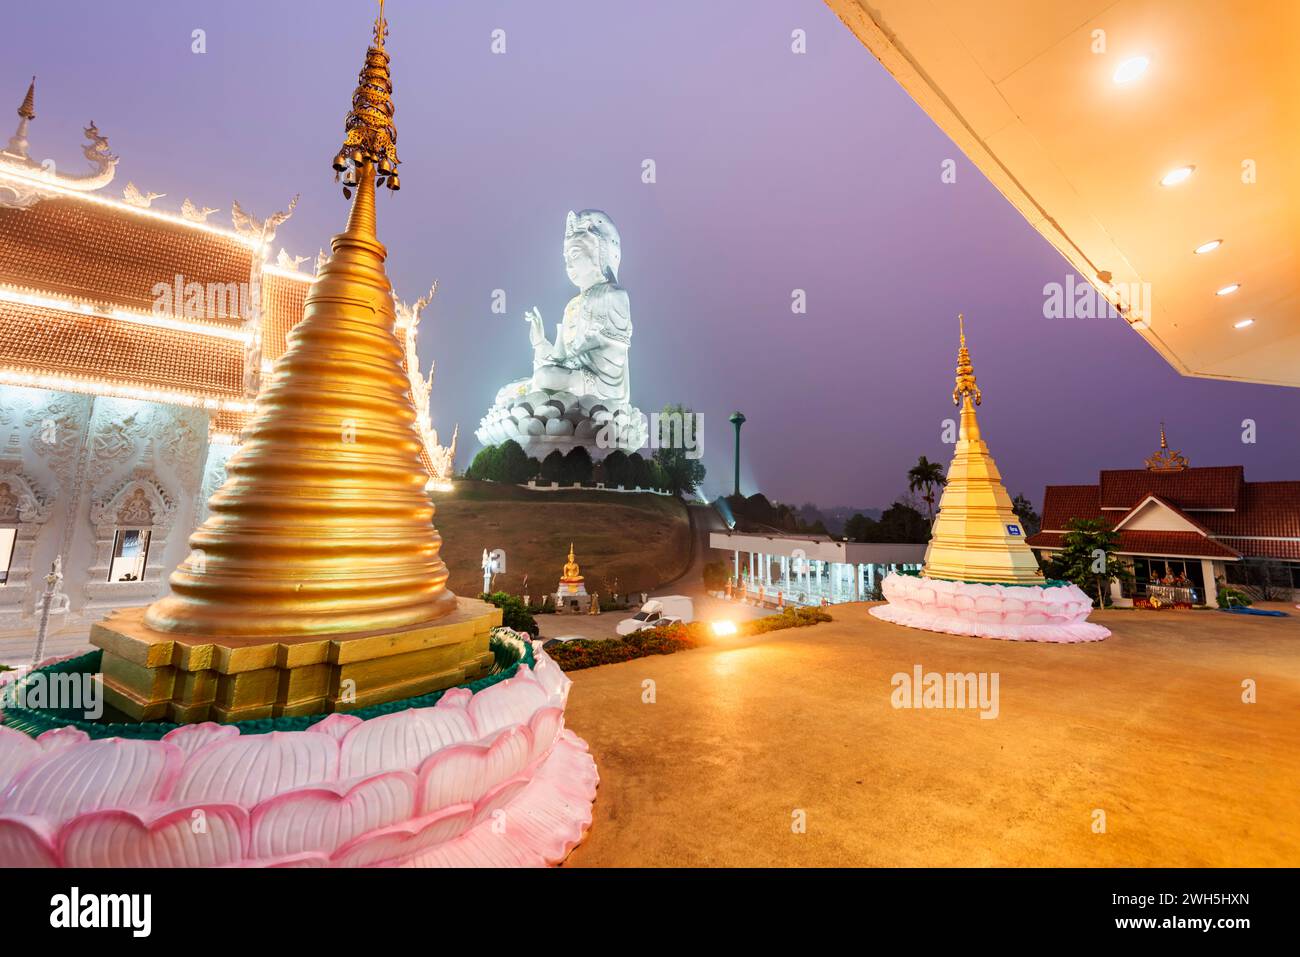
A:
x: 1211, y: 586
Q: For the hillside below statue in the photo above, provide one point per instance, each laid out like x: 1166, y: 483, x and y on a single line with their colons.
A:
x: 579, y: 392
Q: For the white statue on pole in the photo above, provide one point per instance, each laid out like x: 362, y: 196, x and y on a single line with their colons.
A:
x: 580, y: 390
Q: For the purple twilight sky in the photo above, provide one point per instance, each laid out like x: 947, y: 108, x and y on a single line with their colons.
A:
x: 775, y: 172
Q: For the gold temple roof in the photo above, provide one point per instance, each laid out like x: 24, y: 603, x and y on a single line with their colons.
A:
x: 104, y: 254
x: 53, y: 342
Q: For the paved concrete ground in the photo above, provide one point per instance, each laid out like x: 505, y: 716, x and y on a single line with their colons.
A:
x: 1148, y: 726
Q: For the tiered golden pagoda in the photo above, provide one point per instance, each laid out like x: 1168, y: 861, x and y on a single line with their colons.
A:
x: 977, y: 536
x: 316, y: 583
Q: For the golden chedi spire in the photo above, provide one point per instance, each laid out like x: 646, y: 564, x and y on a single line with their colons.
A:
x: 28, y: 108
x: 323, y: 525
x: 976, y: 536
x: 316, y: 583
x: 17, y: 145
x: 370, y: 135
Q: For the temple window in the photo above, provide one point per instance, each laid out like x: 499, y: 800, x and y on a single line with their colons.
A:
x: 130, y: 552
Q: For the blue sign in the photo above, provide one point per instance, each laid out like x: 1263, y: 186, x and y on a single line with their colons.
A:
x: 1013, y: 529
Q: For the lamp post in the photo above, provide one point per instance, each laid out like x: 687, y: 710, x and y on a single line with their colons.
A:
x: 737, y: 419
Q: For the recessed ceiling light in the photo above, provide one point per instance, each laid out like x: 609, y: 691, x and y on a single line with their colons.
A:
x: 1176, y: 176
x: 1131, y: 69
x: 1229, y: 289
x: 1243, y: 323
x: 1209, y: 247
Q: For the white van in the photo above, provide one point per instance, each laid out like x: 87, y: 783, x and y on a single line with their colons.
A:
x: 659, y: 611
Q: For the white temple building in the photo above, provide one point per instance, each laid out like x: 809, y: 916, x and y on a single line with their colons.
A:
x: 798, y: 570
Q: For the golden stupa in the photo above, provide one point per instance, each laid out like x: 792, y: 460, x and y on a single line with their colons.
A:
x: 316, y: 582
x: 977, y: 536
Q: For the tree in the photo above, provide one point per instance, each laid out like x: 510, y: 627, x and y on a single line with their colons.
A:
x: 1029, y: 519
x: 484, y: 466
x: 680, y: 473
x: 903, y: 524
x: 553, y: 467
x: 577, y: 465
x: 900, y: 523
x: 923, y: 477
x: 616, y: 468
x: 860, y: 528
x: 638, y: 473
x: 512, y: 463
x: 715, y: 576
x: 1088, y: 558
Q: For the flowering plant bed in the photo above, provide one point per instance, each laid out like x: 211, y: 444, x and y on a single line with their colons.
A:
x: 588, y: 653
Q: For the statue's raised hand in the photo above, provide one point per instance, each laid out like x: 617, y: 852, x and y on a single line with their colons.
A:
x: 536, y: 331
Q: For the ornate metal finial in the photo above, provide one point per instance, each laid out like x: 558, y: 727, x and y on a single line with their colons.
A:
x: 17, y: 145
x: 28, y: 110
x: 1164, y: 460
x: 965, y: 371
x: 370, y: 140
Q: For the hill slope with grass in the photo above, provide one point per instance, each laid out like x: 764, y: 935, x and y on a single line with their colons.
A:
x: 640, y: 540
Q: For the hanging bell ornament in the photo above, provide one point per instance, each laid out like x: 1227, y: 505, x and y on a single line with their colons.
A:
x: 394, y: 183
x: 385, y: 166
x: 340, y: 163
x: 358, y: 157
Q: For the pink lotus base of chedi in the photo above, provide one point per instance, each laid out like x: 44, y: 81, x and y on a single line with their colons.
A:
x: 1013, y: 612
x: 486, y: 779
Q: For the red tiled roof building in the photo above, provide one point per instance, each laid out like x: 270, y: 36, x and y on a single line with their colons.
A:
x: 1185, y: 527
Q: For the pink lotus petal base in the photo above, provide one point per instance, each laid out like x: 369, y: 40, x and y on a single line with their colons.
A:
x: 491, y: 779
x: 1010, y: 612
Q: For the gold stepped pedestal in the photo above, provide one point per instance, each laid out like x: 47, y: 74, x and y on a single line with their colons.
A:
x: 155, y: 676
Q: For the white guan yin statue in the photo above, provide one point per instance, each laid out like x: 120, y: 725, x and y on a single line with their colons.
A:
x: 579, y: 392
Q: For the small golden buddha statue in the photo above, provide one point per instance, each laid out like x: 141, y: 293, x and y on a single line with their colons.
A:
x: 572, y: 574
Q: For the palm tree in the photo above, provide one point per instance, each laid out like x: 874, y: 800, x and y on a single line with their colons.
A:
x: 923, y: 477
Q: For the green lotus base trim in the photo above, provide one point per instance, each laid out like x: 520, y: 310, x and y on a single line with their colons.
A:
x: 508, y: 655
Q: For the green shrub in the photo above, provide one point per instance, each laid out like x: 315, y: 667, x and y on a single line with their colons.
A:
x: 1229, y: 597
x: 513, y: 613
x: 715, y: 576
x: 588, y: 653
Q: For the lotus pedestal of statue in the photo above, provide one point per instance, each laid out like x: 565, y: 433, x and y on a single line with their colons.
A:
x: 545, y: 422
x: 580, y: 392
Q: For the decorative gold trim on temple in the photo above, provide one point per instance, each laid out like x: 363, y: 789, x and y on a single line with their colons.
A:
x: 1163, y: 460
